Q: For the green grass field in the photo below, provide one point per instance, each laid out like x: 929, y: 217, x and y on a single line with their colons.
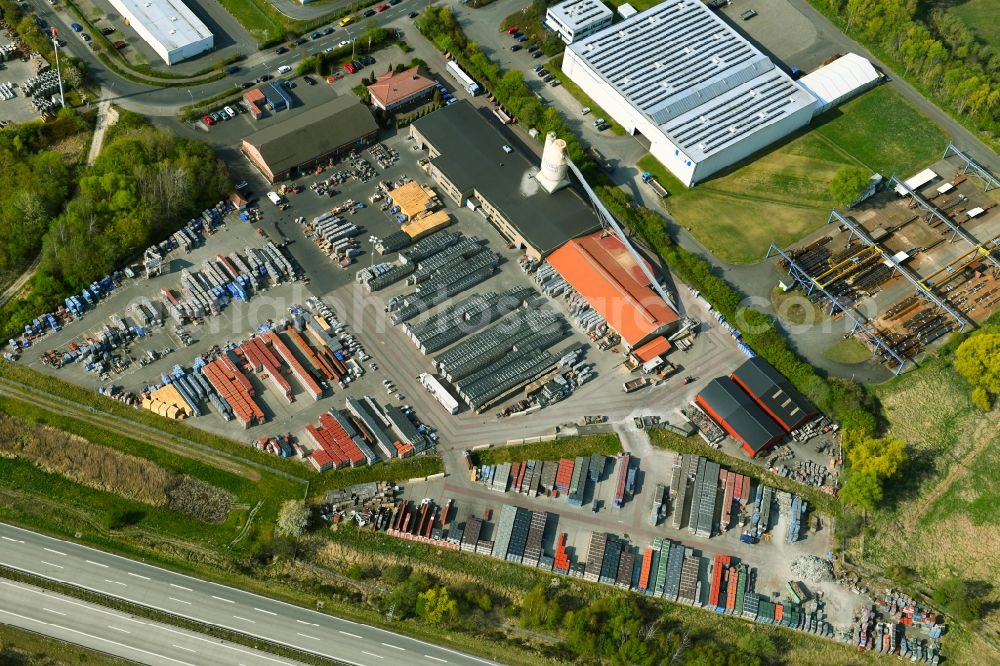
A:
x: 572, y: 447
x: 257, y: 20
x: 25, y: 648
x: 983, y: 16
x: 783, y: 194
x: 946, y: 518
x: 847, y: 351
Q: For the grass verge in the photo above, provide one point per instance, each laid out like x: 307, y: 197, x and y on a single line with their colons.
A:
x: 554, y: 67
x: 22, y: 647
x: 694, y: 445
x: 783, y: 194
x: 571, y: 447
x: 848, y: 351
x: 257, y: 19
x: 793, y: 307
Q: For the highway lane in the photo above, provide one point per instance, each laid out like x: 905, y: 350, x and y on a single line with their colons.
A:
x: 112, y: 632
x: 212, y: 603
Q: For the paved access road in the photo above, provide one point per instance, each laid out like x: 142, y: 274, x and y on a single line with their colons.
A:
x: 211, y: 603
x: 112, y: 632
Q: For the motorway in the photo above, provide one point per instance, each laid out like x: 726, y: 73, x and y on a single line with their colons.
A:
x: 211, y: 603
x: 112, y: 632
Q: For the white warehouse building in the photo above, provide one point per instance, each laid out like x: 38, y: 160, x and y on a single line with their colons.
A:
x: 575, y: 19
x: 703, y: 96
x: 168, y: 26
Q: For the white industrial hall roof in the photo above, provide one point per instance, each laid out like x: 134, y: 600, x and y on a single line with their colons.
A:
x: 842, y: 78
x: 576, y: 13
x: 170, y: 22
x: 695, y: 77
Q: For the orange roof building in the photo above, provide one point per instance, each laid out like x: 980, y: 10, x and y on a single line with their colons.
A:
x: 393, y: 90
x: 602, y: 270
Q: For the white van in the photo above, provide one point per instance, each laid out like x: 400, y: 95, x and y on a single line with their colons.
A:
x: 284, y: 69
x: 274, y: 197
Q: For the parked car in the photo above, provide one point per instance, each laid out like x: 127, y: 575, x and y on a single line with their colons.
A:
x: 316, y: 35
x: 366, y: 60
x: 232, y: 69
x: 414, y: 15
x: 264, y: 77
x: 516, y: 47
x: 280, y: 50
x: 309, y: 80
x: 120, y: 45
x: 215, y: 116
x: 85, y: 36
x: 246, y: 84
x: 511, y: 30
x: 207, y: 119
x: 107, y: 31
x: 381, y: 8
x: 542, y: 72
x: 537, y: 54
x: 76, y: 27
x: 349, y: 66
x: 346, y: 21
x: 532, y: 48
x: 516, y: 34
x: 328, y: 30
x: 300, y: 41
x: 451, y: 101
x: 230, y: 111
x: 748, y: 14
x: 368, y: 13
x: 284, y: 69
x: 394, y: 2
x: 522, y: 39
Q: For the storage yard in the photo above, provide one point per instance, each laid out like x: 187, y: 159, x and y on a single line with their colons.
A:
x: 242, y: 288
x: 771, y: 570
x: 910, y: 264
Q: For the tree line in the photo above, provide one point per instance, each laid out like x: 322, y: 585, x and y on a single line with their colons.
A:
x: 933, y: 48
x: 145, y: 183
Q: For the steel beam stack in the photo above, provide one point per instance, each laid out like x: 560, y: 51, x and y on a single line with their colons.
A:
x: 503, y: 376
x: 689, y: 584
x: 505, y: 528
x: 363, y: 411
x: 429, y: 246
x: 595, y: 556
x: 679, y: 489
x: 578, y: 483
x: 519, y: 536
x: 501, y: 477
x: 707, y: 499
x: 662, y: 546
x: 381, y: 276
x: 675, y: 563
x: 611, y: 559
x: 536, y: 535
x: 479, y: 350
x: 470, y: 538
x: 465, y: 317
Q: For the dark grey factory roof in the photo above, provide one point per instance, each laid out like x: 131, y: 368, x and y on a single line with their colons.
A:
x: 313, y: 133
x: 693, y: 75
x: 727, y: 401
x: 774, y: 392
x: 472, y: 157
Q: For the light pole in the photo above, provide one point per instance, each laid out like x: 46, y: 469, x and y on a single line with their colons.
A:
x: 191, y: 95
x: 372, y: 240
x: 55, y: 46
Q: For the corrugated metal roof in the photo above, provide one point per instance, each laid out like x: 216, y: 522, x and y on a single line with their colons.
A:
x: 772, y: 391
x: 679, y: 63
x: 740, y: 413
x: 602, y: 271
x: 842, y: 78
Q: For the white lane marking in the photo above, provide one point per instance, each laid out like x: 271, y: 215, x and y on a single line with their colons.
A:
x: 394, y: 647
x: 135, y: 575
x: 125, y: 560
x: 244, y: 619
x: 97, y: 638
x: 228, y: 601
x: 351, y: 635
x: 53, y: 611
x: 181, y: 647
x: 96, y: 564
x: 49, y: 550
x: 436, y: 658
x: 116, y: 582
x: 124, y: 631
x: 180, y: 587
x: 311, y: 624
x: 372, y: 654
x: 57, y: 566
x: 307, y: 636
x: 261, y: 610
x: 180, y: 601
x: 6, y: 538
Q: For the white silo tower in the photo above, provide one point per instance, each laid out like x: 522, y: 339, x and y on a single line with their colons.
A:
x: 552, y: 174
